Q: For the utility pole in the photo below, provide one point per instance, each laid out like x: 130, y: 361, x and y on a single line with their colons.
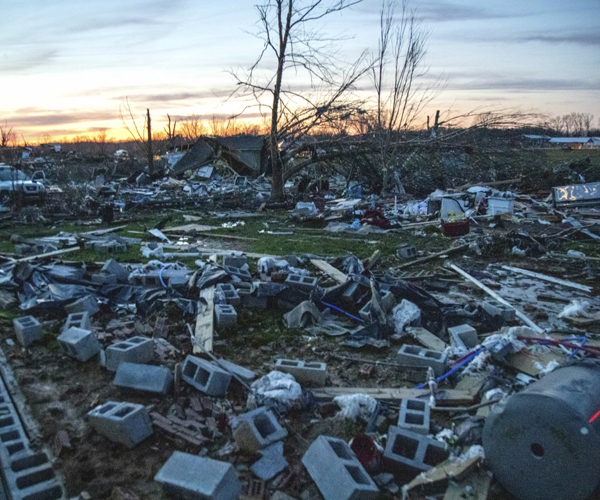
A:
x: 150, y: 154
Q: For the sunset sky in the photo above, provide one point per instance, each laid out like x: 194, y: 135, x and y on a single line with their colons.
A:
x: 66, y: 66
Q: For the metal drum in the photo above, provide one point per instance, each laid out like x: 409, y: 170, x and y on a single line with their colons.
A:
x: 544, y: 442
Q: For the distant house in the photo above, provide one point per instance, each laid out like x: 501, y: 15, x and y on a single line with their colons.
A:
x: 576, y: 142
x: 246, y: 154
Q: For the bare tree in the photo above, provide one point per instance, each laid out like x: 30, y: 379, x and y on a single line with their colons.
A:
x: 170, y: 128
x: 101, y: 139
x: 192, y: 128
x: 293, y: 42
x: 7, y: 136
x: 144, y: 142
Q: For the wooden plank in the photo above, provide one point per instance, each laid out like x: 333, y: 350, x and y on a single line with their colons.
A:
x: 448, y: 397
x: 435, y: 481
x: 433, y: 256
x: 99, y: 232
x: 493, y: 294
x: 204, y: 322
x: 475, y: 487
x: 524, y: 361
x: 49, y: 254
x: 336, y: 274
x: 551, y: 279
x: 427, y: 339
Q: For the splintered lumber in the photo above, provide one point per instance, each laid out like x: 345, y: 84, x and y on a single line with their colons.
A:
x: 493, y: 294
x: 474, y: 487
x: 336, y: 274
x: 551, y: 279
x: 433, y: 256
x: 448, y: 397
x: 435, y: 481
x: 427, y: 339
x: 179, y: 428
x: 49, y: 254
x: 204, y: 322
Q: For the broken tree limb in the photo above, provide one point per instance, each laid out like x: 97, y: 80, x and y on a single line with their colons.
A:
x: 494, y: 295
x: 551, y: 279
x: 336, y: 274
x: 449, y: 397
x: 49, y: 254
x: 433, y: 256
x: 427, y: 339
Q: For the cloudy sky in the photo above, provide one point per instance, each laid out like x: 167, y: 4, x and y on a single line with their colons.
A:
x: 66, y: 66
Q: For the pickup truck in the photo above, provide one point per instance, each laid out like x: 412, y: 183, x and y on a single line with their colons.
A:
x: 13, y: 181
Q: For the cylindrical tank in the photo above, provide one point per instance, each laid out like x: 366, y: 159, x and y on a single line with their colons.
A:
x: 544, y: 442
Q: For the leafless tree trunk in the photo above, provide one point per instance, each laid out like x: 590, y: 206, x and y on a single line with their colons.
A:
x: 130, y: 124
x: 7, y: 136
x: 289, y: 30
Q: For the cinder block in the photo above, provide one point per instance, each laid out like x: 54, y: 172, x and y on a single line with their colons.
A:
x: 113, y: 267
x: 139, y: 350
x: 306, y: 283
x: 234, y: 260
x: 414, y: 415
x: 258, y: 429
x: 407, y: 252
x: 145, y: 378
x: 243, y: 373
x: 104, y: 279
x: 304, y: 372
x: 336, y: 471
x: 411, y: 355
x: 31, y: 477
x: 240, y: 273
x: 464, y: 335
x: 388, y: 301
x: 27, y: 330
x: 125, y: 423
x: 78, y: 320
x: 205, y: 376
x: 192, y: 477
x: 79, y: 343
x: 407, y: 453
x: 87, y: 303
x: 225, y: 316
x: 230, y: 293
x: 495, y: 308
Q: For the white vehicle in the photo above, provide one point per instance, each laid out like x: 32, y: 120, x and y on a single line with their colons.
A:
x: 13, y: 180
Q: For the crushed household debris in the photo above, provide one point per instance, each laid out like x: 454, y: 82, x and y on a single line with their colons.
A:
x: 157, y: 365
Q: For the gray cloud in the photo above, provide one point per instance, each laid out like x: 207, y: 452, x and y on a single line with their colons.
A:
x: 576, y: 38
x: 55, y: 118
x: 28, y: 61
x: 444, y: 11
x: 525, y: 84
x: 108, y: 23
x: 219, y: 116
x: 175, y: 96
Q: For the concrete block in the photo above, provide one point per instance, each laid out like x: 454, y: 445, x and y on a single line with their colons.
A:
x: 225, y: 316
x: 139, y: 350
x: 311, y: 372
x: 495, y: 308
x: 27, y: 330
x: 464, y: 335
x: 258, y: 429
x: 411, y: 355
x: 108, y: 247
x: 240, y: 273
x: 336, y: 471
x: 414, y: 415
x: 306, y: 283
x: 253, y: 302
x: 407, y: 453
x: 243, y: 373
x: 230, y: 293
x: 87, y: 303
x: 205, y: 376
x: 145, y: 378
x: 125, y: 423
x: 31, y: 477
x: 388, y: 301
x: 79, y: 343
x: 111, y: 266
x: 198, y: 478
x: 235, y: 260
x: 78, y: 320
x: 104, y: 279
x: 407, y: 253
